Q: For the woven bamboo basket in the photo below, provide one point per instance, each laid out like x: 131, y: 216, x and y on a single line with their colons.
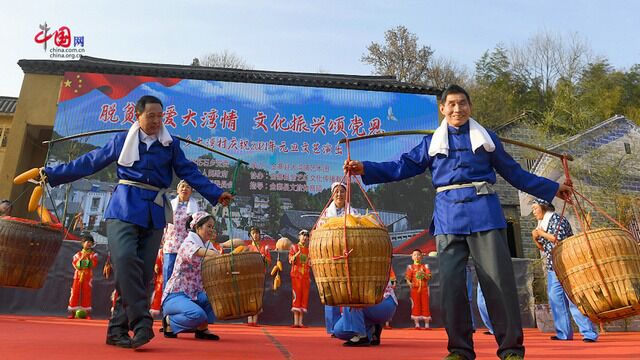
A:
x: 234, y: 284
x: 605, y: 286
x: 27, y: 251
x: 369, y: 263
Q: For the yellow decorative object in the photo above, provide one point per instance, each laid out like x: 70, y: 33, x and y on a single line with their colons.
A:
x: 34, y: 201
x: 274, y: 271
x: 279, y: 265
x: 353, y: 221
x: 276, y: 282
x: 238, y: 249
x: 44, y: 215
x: 26, y: 176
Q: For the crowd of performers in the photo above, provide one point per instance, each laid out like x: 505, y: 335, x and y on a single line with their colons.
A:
x: 463, y: 159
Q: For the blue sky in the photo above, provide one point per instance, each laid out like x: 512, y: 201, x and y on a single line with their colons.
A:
x: 307, y: 36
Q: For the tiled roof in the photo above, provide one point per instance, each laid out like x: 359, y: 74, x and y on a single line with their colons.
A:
x: 106, y: 66
x: 8, y: 104
x: 601, y: 134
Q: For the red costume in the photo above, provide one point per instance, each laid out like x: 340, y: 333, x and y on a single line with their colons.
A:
x: 263, y: 250
x: 392, y: 277
x: 266, y: 256
x: 418, y: 276
x: 156, y: 297
x: 218, y: 247
x: 83, y: 261
x: 300, y: 279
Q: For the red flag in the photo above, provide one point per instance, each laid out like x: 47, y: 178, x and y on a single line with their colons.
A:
x: 114, y: 86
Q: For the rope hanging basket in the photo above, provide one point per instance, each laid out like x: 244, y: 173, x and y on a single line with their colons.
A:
x: 234, y: 284
x: 351, y: 261
x: 27, y: 251
x: 367, y: 272
x: 600, y: 272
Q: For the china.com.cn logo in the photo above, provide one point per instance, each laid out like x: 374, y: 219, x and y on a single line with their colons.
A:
x: 62, y: 41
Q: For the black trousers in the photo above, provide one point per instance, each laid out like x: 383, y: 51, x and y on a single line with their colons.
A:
x: 495, y: 273
x: 133, y: 255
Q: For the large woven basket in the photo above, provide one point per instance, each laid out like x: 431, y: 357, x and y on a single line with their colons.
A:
x: 234, y: 284
x: 27, y: 251
x: 607, y: 286
x: 368, y: 270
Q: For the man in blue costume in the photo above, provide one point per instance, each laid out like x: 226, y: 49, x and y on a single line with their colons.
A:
x: 463, y: 158
x: 147, y: 156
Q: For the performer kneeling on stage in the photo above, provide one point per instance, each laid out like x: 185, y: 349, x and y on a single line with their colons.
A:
x: 184, y: 302
x: 147, y: 156
x: 363, y: 326
x: 336, y: 208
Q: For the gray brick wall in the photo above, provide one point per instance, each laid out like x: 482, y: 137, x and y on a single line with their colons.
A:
x: 628, y: 324
x: 509, y: 197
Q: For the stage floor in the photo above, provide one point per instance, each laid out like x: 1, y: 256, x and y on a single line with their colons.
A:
x: 30, y: 337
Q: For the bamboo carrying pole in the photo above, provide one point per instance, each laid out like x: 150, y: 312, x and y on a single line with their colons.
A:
x: 100, y: 132
x: 430, y: 132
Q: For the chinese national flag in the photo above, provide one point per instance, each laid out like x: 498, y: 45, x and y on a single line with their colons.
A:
x: 114, y: 86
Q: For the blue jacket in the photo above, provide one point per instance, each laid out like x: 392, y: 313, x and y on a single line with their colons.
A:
x: 461, y: 211
x: 155, y: 167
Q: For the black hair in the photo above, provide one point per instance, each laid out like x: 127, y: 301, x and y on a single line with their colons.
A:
x: 418, y: 250
x: 199, y: 223
x: 254, y: 228
x: 546, y: 208
x: 86, y: 237
x: 454, y: 89
x: 143, y: 101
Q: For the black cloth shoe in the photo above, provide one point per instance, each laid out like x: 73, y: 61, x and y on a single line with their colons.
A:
x: 119, y: 340
x: 141, y: 337
x: 167, y: 334
x: 588, y: 340
x: 206, y: 335
x: 375, y: 341
x: 488, y: 333
x: 363, y: 341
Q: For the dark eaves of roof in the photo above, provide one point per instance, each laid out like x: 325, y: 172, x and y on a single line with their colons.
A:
x: 105, y: 66
x: 610, y: 122
x: 8, y: 104
x: 573, y: 144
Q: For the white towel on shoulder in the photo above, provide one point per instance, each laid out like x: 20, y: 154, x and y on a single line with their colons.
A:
x: 332, y: 211
x: 192, y: 205
x: 130, y: 153
x: 544, y: 223
x: 478, y: 135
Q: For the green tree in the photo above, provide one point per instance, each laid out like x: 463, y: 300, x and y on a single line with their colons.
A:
x: 631, y: 95
x: 497, y: 96
x: 602, y: 89
x: 413, y: 196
